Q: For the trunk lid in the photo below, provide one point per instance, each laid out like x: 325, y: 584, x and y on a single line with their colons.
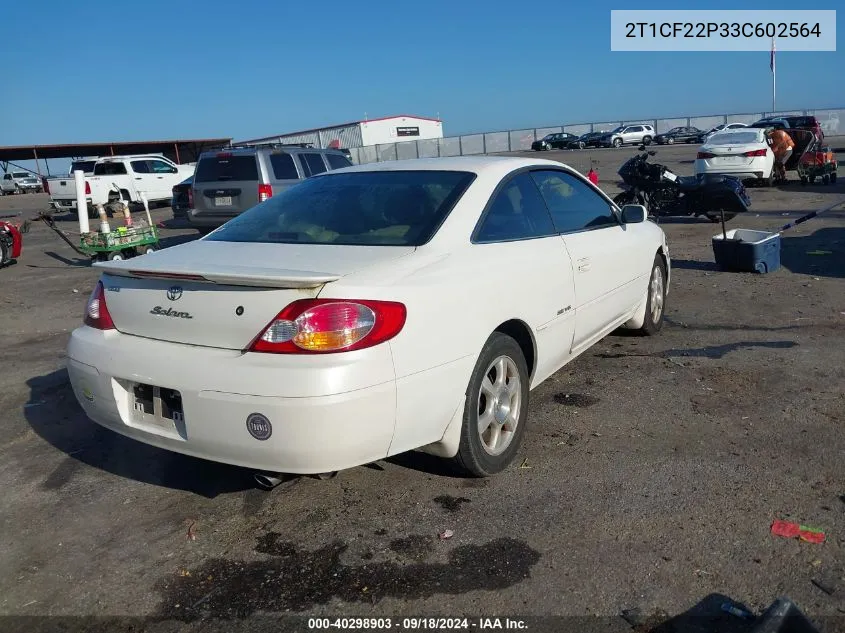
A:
x: 222, y: 294
x: 731, y: 154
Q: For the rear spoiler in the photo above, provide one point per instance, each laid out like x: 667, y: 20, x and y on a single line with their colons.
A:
x: 252, y: 276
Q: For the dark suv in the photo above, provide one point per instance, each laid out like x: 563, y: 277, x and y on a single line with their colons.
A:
x: 228, y: 182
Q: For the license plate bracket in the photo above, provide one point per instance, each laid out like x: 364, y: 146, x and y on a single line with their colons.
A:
x: 157, y: 409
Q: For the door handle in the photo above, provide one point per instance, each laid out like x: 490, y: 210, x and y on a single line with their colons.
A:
x: 138, y: 178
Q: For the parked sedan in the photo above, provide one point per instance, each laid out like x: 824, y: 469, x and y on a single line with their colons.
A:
x: 719, y: 128
x: 183, y: 198
x: 559, y: 140
x: 324, y: 329
x: 679, y: 135
x: 590, y: 139
x: 743, y: 153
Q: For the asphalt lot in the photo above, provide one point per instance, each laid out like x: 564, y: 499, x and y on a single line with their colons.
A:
x: 652, y: 470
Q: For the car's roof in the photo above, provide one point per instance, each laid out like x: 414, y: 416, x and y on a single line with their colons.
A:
x: 473, y: 164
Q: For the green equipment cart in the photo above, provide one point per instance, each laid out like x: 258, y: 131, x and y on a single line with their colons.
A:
x: 121, y: 243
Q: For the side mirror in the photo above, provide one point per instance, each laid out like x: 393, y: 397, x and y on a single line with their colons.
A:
x: 634, y: 214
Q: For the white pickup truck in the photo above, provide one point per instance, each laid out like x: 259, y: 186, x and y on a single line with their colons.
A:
x: 62, y: 189
x: 123, y: 177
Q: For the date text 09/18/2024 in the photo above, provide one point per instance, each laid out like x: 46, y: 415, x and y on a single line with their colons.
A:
x: 416, y: 624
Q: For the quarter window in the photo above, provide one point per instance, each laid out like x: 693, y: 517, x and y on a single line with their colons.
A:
x: 283, y: 167
x: 312, y: 164
x: 516, y: 213
x: 574, y: 205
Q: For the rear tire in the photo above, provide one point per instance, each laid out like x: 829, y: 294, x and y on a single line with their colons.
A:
x: 146, y: 250
x: 646, y: 140
x: 496, y: 408
x: 670, y: 141
x: 655, y: 306
x: 4, y: 254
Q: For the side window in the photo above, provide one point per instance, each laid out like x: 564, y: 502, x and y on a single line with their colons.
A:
x: 516, y: 213
x: 160, y: 167
x: 337, y: 161
x: 573, y: 204
x: 283, y: 167
x: 312, y: 164
x: 635, y: 128
x: 7, y: 177
x: 140, y: 166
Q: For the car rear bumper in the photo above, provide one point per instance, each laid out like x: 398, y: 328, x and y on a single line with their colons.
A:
x: 340, y: 428
x: 743, y: 172
x: 209, y: 219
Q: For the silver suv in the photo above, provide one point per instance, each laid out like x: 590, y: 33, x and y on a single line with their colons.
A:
x: 228, y: 182
x: 629, y: 135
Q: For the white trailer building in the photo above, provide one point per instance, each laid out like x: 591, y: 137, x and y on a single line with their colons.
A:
x: 391, y: 129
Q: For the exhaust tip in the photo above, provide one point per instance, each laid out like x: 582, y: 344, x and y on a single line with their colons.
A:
x: 267, y: 481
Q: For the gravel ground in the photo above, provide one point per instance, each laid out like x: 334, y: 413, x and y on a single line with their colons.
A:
x: 651, y: 473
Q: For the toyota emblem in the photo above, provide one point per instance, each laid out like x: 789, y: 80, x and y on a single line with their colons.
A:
x: 174, y: 293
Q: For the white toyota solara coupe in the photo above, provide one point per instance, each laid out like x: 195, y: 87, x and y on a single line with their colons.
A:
x: 367, y: 312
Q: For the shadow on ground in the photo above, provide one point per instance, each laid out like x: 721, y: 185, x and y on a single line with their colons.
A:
x: 54, y: 414
x: 821, y: 253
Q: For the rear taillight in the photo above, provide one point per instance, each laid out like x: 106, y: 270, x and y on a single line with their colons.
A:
x: 97, y: 312
x: 756, y: 152
x: 264, y: 192
x: 87, y: 188
x: 311, y: 326
x: 191, y: 198
x: 705, y: 155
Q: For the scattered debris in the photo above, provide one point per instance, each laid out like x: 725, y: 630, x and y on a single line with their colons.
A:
x: 446, y: 534
x: 634, y: 617
x: 596, y: 434
x: 817, y: 252
x: 524, y: 463
x: 75, y: 291
x: 824, y: 585
x: 184, y: 573
x: 191, y: 535
x: 30, y: 603
x: 787, y: 529
x: 701, y: 572
x: 727, y: 607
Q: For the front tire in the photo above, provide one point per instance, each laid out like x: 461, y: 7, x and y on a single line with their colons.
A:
x: 617, y: 142
x: 4, y: 254
x: 655, y: 298
x: 496, y: 408
x: 670, y: 141
x: 626, y: 197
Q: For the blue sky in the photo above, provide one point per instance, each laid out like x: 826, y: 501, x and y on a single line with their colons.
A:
x: 185, y: 69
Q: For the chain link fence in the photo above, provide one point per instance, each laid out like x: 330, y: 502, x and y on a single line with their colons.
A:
x: 832, y: 122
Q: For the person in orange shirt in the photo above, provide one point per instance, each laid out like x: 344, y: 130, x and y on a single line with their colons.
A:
x: 782, y: 145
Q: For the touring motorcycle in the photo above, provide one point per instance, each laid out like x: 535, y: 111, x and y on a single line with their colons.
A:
x: 666, y: 194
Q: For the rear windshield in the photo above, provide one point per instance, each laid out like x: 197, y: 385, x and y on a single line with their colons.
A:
x: 226, y: 168
x: 84, y: 165
x: 379, y: 208
x: 734, y: 138
x: 109, y: 169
